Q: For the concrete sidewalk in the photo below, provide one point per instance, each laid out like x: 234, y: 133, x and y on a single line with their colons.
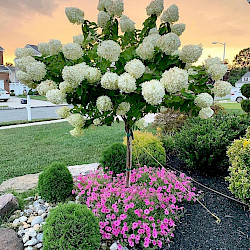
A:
x: 15, y: 102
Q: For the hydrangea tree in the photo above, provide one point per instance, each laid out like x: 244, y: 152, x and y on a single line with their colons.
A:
x: 105, y: 73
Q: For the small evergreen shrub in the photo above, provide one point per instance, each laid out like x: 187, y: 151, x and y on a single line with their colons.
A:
x: 152, y: 144
x: 71, y: 226
x: 202, y: 144
x: 245, y: 90
x: 55, y: 183
x: 245, y: 105
x: 239, y: 171
x: 114, y: 158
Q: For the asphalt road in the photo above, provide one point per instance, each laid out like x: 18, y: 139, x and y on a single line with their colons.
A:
x: 8, y: 115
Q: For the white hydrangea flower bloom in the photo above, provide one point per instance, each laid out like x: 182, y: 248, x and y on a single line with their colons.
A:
x: 175, y: 80
x: 102, y: 19
x: 55, y: 47
x: 170, y: 15
x: 77, y: 132
x: 123, y: 108
x: 74, y: 15
x: 145, y: 51
x: 155, y: 8
x: 110, y: 81
x: 211, y: 61
x: 176, y: 53
x: 135, y: 68
x: 152, y: 39
x: 92, y: 74
x: 116, y: 8
x: 127, y: 83
x: 22, y: 63
x: 63, y: 112
x: 217, y: 71
x: 169, y: 43
x: 153, y: 31
x: 44, y: 49
x: 109, y: 50
x: 76, y: 120
x: 153, y: 92
x: 97, y: 122
x: 203, y: 100
x: 56, y: 96
x: 67, y: 87
x: 206, y: 113
x: 126, y: 24
x: 36, y: 71
x: 74, y: 74
x: 191, y: 53
x: 178, y: 28
x: 23, y: 77
x: 104, y: 4
x: 104, y: 103
x: 45, y: 86
x: 141, y: 124
x: 78, y: 39
x: 72, y: 51
x: 222, y: 88
x: 23, y: 52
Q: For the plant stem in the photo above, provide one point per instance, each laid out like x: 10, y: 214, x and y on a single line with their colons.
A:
x: 129, y: 153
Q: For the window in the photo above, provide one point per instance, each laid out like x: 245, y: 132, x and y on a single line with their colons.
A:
x: 245, y: 79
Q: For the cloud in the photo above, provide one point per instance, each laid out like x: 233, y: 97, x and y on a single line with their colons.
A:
x: 45, y: 7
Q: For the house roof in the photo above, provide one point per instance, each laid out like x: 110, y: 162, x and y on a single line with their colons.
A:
x: 11, y: 68
x: 3, y: 68
x: 247, y: 74
x: 1, y: 48
x: 35, y: 48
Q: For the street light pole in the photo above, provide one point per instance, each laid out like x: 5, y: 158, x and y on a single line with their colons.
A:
x: 224, y: 51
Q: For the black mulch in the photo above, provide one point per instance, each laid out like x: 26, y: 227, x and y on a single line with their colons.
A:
x: 199, y: 230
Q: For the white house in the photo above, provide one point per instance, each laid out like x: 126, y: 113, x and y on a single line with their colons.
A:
x: 244, y: 79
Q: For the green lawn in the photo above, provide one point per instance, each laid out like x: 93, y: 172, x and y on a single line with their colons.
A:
x: 25, y: 121
x: 30, y: 149
x: 34, y: 97
x: 232, y: 108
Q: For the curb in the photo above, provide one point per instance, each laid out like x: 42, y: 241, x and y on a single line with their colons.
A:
x: 10, y: 108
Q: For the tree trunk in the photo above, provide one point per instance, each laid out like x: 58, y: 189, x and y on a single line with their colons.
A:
x: 129, y: 154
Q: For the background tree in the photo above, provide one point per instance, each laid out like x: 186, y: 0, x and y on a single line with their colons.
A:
x: 242, y: 60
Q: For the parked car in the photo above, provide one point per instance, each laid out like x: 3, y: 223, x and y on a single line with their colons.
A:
x: 236, y: 95
x: 4, y: 95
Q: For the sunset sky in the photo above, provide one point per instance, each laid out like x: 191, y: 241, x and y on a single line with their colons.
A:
x: 34, y: 21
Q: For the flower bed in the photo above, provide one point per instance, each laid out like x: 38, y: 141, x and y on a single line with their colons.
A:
x: 143, y: 214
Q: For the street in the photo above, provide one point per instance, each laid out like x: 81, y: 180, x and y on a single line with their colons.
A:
x: 7, y: 115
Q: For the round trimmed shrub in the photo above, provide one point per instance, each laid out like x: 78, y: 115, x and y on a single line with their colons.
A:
x: 245, y: 105
x: 71, y: 226
x: 239, y: 171
x: 114, y: 158
x: 202, y: 144
x: 55, y: 183
x: 245, y: 90
x: 144, y: 145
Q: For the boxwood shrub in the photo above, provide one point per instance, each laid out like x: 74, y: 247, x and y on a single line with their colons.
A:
x: 152, y: 144
x: 55, y: 183
x: 71, y: 226
x: 202, y: 144
x: 114, y: 158
x: 239, y: 171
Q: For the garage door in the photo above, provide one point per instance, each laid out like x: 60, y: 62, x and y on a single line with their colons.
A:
x: 1, y: 84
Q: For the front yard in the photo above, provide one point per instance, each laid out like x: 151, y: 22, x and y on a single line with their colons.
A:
x: 29, y: 150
